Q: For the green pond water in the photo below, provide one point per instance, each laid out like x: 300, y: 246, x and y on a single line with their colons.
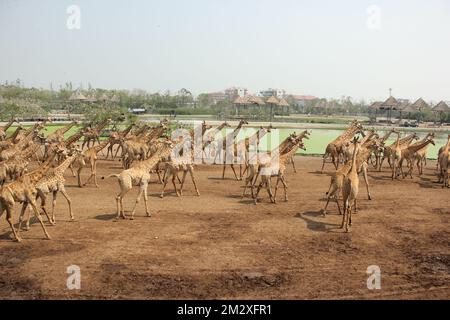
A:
x: 315, y: 145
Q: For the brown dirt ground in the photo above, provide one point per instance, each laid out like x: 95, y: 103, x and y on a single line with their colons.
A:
x: 219, y: 246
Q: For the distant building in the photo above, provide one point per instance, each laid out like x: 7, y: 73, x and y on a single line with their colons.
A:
x: 217, y: 97
x: 234, y: 92
x: 278, y: 93
x: 301, y: 100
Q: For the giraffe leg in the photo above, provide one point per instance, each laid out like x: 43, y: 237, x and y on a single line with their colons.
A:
x: 276, y: 188
x: 247, y: 181
x: 22, y: 213
x: 257, y: 191
x: 234, y: 171
x: 283, y: 181
x: 8, y: 209
x: 366, y: 180
x: 330, y: 195
x: 69, y: 202
x: 147, y: 212
x: 223, y: 172
x: 269, y: 190
x: 323, y: 161
x: 79, y: 176
x: 142, y: 190
x: 38, y: 216
x: 95, y: 174
x: 182, y: 181
x: 293, y: 165
x: 336, y: 198
x: 191, y: 171
x: 165, y: 180
x: 92, y: 175
x: 174, y: 176
x: 344, y: 213
x: 71, y: 169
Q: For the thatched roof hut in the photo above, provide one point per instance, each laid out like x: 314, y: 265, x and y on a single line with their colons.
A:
x: 283, y: 103
x: 272, y: 100
x: 375, y: 106
x: 420, y: 104
x: 391, y: 103
x: 441, y: 107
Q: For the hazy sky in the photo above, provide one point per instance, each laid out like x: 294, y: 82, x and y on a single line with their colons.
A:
x: 324, y: 48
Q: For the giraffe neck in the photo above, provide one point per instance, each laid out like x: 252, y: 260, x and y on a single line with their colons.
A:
x: 15, y: 134
x: 125, y: 132
x: 65, y: 164
x: 419, y: 146
x: 347, y: 133
x: 218, y: 129
x: 155, y: 158
x: 101, y: 145
x: 102, y: 125
x: 38, y: 173
x: 367, y: 137
x: 350, y: 133
x: 8, y: 125
x: 386, y: 136
x: 397, y: 143
x: 235, y: 132
x: 407, y: 139
x: 26, y: 140
x: 67, y: 128
x: 74, y: 138
x: 355, y: 151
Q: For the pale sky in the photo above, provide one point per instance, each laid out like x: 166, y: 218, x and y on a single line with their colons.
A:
x: 324, y: 48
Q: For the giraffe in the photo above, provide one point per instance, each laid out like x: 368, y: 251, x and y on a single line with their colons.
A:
x: 16, y: 148
x: 23, y: 190
x: 282, y: 169
x: 173, y: 167
x: 274, y: 165
x: 421, y: 155
x: 90, y: 156
x: 228, y: 146
x: 350, y: 190
x: 389, y: 151
x: 444, y: 164
x: 303, y: 135
x: 409, y: 153
x: 262, y: 160
x: 93, y: 134
x: 9, y: 141
x: 334, y: 148
x: 348, y: 146
x: 139, y: 175
x: 337, y: 178
x: 210, y: 136
x: 241, y: 149
x: 16, y: 166
x: 54, y: 183
x: 382, y: 140
x: 4, y: 128
x: 38, y: 126
x: 396, y: 154
x: 116, y: 138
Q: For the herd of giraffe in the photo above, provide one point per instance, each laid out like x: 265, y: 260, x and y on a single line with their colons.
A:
x: 357, y: 154
x: 33, y: 167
